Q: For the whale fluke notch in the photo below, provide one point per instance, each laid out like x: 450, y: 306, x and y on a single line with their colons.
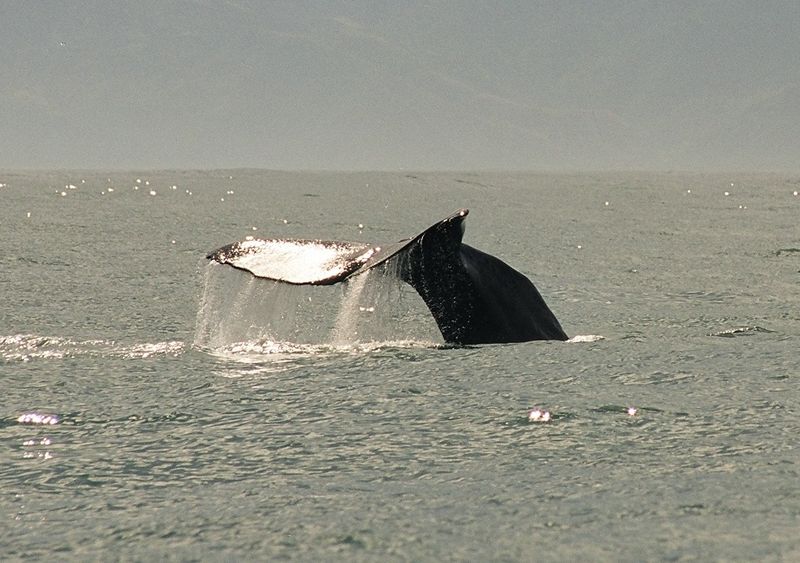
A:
x: 474, y: 297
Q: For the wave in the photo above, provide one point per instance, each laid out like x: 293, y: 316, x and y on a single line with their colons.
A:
x: 27, y: 347
x: 586, y: 338
x: 256, y: 351
x: 741, y: 331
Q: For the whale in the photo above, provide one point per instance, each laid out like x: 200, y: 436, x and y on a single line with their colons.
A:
x: 474, y: 297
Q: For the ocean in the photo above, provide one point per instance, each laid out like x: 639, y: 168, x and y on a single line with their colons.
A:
x: 157, y: 407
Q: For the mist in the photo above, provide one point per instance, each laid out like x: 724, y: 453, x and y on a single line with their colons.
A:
x: 343, y: 85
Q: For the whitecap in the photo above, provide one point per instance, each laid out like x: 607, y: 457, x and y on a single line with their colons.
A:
x: 38, y: 418
x: 27, y: 347
x: 586, y: 338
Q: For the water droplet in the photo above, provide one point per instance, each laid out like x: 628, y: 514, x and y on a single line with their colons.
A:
x: 538, y: 415
x: 37, y: 418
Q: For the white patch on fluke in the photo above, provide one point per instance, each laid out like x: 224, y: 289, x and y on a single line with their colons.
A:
x: 296, y: 261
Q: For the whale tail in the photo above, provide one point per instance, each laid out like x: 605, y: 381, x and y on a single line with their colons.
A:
x: 474, y: 297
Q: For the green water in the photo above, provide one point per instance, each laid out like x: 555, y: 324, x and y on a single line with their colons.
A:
x: 382, y: 444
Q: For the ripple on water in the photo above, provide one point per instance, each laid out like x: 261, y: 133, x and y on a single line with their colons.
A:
x: 27, y: 347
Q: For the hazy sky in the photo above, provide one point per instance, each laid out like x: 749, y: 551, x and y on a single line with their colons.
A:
x: 340, y: 84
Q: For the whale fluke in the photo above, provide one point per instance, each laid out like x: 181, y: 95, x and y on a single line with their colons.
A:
x: 474, y: 297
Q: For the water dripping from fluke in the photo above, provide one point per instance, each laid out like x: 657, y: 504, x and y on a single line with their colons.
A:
x: 246, y: 318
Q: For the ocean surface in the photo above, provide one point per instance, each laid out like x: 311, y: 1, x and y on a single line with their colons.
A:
x: 156, y: 407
